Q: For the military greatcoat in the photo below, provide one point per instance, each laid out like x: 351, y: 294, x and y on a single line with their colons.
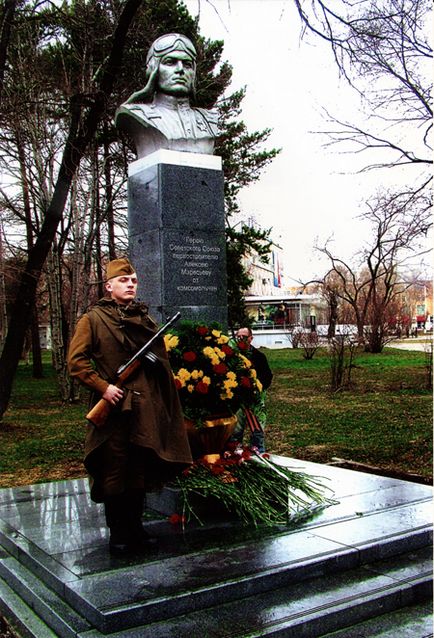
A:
x: 105, y: 338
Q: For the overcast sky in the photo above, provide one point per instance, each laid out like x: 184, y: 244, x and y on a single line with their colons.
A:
x: 309, y: 193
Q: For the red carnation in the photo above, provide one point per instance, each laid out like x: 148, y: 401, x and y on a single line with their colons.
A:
x: 227, y: 350
x: 189, y: 355
x: 202, y: 387
x: 230, y: 446
x: 202, y: 330
x: 245, y: 382
x: 220, y: 368
x: 243, y: 345
x: 216, y: 470
x: 178, y: 384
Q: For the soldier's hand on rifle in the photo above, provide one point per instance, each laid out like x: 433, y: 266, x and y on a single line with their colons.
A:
x: 113, y: 394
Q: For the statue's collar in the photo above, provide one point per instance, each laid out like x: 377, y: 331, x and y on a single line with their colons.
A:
x: 170, y: 101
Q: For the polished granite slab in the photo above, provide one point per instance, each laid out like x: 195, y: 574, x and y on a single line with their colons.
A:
x: 309, y: 609
x: 58, y: 535
x: 59, y: 520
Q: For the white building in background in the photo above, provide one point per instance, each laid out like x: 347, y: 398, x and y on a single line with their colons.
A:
x: 286, y: 310
x: 45, y: 335
x: 274, y: 318
x: 267, y: 277
x: 274, y: 310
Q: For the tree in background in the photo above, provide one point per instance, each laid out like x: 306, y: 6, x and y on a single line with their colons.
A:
x: 342, y: 350
x: 84, y: 114
x: 382, y: 273
x: 383, y: 50
x: 244, y: 159
x: 7, y: 15
x: 328, y: 289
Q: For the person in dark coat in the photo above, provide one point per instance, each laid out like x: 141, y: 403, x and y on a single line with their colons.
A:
x: 143, y: 443
x: 255, y: 417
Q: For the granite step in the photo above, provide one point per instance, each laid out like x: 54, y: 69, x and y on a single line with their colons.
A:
x: 171, y: 586
x: 306, y: 609
x: 144, y: 593
x: 46, y: 605
x: 415, y: 621
x: 25, y: 622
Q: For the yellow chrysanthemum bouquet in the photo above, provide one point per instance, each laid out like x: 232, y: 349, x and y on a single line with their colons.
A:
x: 212, y: 375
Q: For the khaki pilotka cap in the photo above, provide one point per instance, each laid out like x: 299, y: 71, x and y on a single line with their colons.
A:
x: 119, y: 267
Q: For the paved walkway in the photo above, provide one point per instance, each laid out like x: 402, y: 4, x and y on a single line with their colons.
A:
x: 419, y: 344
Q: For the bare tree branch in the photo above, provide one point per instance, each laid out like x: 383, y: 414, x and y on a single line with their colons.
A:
x: 384, y: 52
x: 372, y: 286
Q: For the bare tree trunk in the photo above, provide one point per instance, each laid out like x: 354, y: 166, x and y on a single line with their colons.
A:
x: 96, y: 206
x: 6, y: 20
x: 56, y: 321
x: 93, y: 252
x: 333, y: 313
x: 109, y: 197
x: 99, y: 271
x: 37, y: 368
x: 360, y: 321
x: 98, y: 216
x: 375, y: 342
x: 79, y: 279
x: 337, y: 356
x: 342, y: 351
x: 3, y: 303
x: 76, y: 266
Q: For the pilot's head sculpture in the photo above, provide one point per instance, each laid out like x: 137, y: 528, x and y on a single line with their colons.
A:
x: 160, y: 49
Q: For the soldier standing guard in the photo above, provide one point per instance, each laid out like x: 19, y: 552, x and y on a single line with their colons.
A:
x: 143, y: 444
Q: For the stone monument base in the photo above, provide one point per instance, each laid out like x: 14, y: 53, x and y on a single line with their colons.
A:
x: 177, y: 234
x: 362, y: 567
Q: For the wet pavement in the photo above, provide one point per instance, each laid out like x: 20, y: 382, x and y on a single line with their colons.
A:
x: 56, y: 574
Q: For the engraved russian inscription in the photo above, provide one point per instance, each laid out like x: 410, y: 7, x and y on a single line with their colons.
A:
x: 196, y: 260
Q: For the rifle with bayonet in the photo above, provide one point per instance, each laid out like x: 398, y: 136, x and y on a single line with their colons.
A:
x: 101, y: 410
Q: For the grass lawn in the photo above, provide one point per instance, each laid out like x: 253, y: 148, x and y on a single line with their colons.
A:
x: 42, y: 439
x: 384, y: 419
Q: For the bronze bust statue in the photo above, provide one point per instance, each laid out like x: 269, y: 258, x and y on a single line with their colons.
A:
x: 160, y: 115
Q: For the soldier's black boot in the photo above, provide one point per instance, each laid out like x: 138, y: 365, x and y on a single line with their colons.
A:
x: 115, y: 514
x: 138, y: 538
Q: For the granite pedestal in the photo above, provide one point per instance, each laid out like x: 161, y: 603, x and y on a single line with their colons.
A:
x: 177, y: 234
x: 361, y: 567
